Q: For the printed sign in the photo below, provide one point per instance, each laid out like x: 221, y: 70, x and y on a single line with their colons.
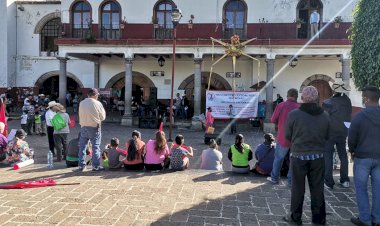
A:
x: 244, y: 105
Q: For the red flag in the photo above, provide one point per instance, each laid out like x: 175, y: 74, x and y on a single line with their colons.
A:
x: 161, y: 126
x: 34, y: 184
x: 2, y: 117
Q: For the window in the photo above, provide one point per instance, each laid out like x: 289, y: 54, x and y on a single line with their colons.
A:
x: 81, y: 19
x: 163, y: 16
x: 111, y: 20
x: 234, y: 22
x: 49, y: 32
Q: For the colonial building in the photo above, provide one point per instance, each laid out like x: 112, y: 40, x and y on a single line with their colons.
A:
x: 127, y: 45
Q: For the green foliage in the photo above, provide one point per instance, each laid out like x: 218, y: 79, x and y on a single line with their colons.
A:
x: 366, y: 44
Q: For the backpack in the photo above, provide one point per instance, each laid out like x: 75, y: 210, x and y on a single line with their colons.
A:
x: 58, y: 122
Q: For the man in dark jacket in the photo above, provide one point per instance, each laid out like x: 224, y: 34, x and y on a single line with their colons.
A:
x: 307, y: 129
x: 339, y: 108
x: 364, y: 143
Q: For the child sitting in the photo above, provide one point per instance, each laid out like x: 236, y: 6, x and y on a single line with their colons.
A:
x: 114, y: 153
x: 105, y: 163
x: 178, y: 154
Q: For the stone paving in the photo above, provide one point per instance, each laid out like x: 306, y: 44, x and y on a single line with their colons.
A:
x: 193, y: 197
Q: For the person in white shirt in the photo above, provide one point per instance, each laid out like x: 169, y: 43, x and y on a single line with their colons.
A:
x: 314, y: 23
x: 50, y: 129
x: 91, y: 115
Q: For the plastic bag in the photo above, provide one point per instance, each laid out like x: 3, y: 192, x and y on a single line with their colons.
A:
x: 58, y: 122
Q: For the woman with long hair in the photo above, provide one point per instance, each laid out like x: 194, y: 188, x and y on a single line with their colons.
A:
x: 157, y: 152
x: 240, y: 154
x: 135, y: 152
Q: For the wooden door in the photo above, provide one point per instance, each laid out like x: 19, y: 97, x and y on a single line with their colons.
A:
x: 324, y: 89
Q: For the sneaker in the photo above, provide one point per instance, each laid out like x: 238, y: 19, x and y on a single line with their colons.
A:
x: 329, y: 187
x: 271, y: 180
x: 81, y: 168
x: 291, y: 221
x: 345, y: 184
x: 98, y: 168
x: 357, y: 221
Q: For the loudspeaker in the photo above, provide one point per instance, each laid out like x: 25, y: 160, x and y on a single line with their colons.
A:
x: 214, y: 136
x: 153, y: 96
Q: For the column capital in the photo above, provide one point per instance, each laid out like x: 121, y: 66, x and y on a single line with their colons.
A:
x: 270, y: 56
x: 345, y: 56
x: 64, y: 59
x: 198, y: 60
x: 129, y: 60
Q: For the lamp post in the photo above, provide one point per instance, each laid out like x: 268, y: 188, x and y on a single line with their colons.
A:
x: 176, y: 17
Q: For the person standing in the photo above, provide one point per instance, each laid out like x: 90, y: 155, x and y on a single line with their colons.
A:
x: 364, y: 143
x: 49, y: 127
x: 178, y: 106
x: 307, y: 129
x: 232, y: 114
x: 60, y: 136
x: 91, y: 115
x: 209, y: 119
x: 339, y: 108
x: 279, y: 117
x: 314, y: 23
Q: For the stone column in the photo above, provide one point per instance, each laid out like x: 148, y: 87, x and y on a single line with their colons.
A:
x: 346, y: 65
x: 268, y: 126
x: 127, y: 118
x: 62, y: 80
x: 197, y: 86
x: 96, y: 74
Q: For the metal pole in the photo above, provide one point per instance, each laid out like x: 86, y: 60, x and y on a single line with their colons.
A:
x: 172, y: 89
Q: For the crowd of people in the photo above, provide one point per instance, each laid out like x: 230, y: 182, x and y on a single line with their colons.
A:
x: 307, y: 135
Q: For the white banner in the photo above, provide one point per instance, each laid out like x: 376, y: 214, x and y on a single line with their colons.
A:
x: 244, y: 105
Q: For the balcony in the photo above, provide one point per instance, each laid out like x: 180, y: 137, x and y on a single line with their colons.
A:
x: 198, y: 34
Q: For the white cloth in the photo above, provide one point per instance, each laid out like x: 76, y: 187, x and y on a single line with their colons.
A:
x: 49, y: 116
x: 314, y: 18
x: 24, y: 119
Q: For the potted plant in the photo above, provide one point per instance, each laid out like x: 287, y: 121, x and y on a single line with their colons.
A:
x: 337, y: 21
x: 190, y: 24
x: 90, y: 38
x: 155, y: 22
x: 299, y: 22
x: 123, y: 23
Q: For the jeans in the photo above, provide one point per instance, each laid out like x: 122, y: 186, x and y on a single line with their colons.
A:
x: 363, y: 168
x: 314, y: 170
x: 329, y: 158
x: 94, y: 135
x: 279, y: 156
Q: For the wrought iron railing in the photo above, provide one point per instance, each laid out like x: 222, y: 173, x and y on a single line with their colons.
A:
x: 230, y: 30
x: 162, y: 31
x: 110, y: 31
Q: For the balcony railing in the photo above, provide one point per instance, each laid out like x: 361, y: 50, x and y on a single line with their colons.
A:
x: 163, y: 32
x: 230, y: 30
x: 110, y: 31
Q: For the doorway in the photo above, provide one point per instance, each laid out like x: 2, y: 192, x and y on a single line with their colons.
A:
x: 324, y: 90
x: 304, y: 9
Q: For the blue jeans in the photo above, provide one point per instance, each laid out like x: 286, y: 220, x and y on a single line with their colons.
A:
x: 92, y: 134
x: 279, y: 156
x: 363, y: 168
x: 329, y: 158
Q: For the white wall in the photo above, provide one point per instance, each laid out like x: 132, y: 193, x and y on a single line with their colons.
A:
x: 210, y: 11
x: 3, y: 45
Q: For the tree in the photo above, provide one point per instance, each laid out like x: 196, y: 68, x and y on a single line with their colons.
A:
x: 366, y: 43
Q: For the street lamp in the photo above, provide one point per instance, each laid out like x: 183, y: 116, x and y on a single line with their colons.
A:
x: 176, y: 17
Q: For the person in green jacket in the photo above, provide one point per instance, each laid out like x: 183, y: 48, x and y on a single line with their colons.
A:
x: 240, y: 154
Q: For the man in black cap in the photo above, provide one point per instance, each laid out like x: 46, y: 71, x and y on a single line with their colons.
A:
x: 91, y: 115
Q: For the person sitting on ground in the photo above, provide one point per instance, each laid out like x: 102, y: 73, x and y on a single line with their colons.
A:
x: 3, y: 143
x: 105, y: 160
x: 178, y: 155
x: 114, y: 153
x: 73, y: 153
x: 135, y: 152
x: 212, y: 157
x: 157, y: 152
x: 18, y: 149
x: 264, y: 155
x: 240, y: 154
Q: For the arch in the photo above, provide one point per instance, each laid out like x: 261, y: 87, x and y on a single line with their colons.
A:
x: 111, y: 29
x: 137, y: 78
x: 217, y: 81
x: 82, y: 13
x: 41, y: 24
x: 315, y: 78
x: 50, y: 74
x: 156, y: 10
x: 232, y: 16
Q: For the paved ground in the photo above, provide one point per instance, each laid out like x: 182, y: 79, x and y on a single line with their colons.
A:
x: 193, y: 197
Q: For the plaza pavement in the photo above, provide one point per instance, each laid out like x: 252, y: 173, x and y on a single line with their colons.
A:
x: 193, y: 197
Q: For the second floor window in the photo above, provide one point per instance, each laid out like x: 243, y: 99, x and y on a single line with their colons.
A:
x: 163, y: 15
x: 81, y: 19
x: 235, y: 14
x: 111, y: 20
x: 48, y: 34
